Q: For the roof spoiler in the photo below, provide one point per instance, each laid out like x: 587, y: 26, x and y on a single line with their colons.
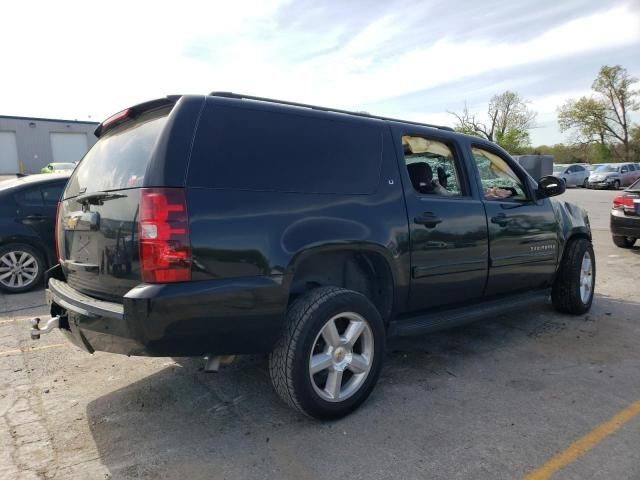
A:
x: 134, y: 112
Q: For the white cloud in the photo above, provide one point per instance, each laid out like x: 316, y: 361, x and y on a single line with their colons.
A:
x: 77, y: 59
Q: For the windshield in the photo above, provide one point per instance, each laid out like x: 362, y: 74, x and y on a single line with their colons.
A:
x: 559, y: 168
x: 635, y: 185
x: 606, y: 168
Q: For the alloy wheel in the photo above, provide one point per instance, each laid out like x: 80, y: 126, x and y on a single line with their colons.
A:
x: 18, y: 269
x: 586, y: 278
x: 341, y: 357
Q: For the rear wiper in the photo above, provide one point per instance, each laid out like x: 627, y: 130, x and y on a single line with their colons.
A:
x: 97, y: 198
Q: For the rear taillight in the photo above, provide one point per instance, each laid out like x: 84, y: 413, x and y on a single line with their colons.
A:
x: 623, y: 202
x: 165, y: 249
x: 55, y: 231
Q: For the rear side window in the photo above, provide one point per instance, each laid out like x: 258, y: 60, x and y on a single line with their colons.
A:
x: 30, y: 196
x: 120, y: 158
x: 240, y: 148
x: 51, y: 194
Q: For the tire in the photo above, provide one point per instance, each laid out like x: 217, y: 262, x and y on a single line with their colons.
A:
x: 585, y: 184
x: 616, y: 185
x: 568, y: 295
x: 623, y: 242
x: 304, y: 335
x: 21, y: 267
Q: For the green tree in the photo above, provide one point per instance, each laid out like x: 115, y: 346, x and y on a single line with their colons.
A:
x: 586, y: 117
x: 514, y: 141
x: 604, y: 117
x: 635, y: 142
x: 508, y: 121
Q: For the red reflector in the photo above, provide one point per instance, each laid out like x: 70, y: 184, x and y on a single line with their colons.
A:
x: 165, y: 249
x: 623, y: 202
x: 58, y: 258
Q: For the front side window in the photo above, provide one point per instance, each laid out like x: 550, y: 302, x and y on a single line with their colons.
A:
x: 499, y: 181
x: 431, y: 166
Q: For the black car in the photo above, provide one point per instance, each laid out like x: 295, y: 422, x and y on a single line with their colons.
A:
x: 27, y: 224
x: 625, y: 217
x: 224, y: 224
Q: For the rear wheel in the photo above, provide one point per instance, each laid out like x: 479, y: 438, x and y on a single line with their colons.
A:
x: 623, y: 242
x: 21, y: 267
x: 574, y: 284
x: 329, y: 357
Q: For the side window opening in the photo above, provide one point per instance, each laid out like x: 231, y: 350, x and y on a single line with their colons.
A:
x: 431, y: 166
x: 31, y: 196
x: 52, y: 194
x: 499, y: 181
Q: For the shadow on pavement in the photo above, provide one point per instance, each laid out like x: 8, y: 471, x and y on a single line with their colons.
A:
x: 184, y: 423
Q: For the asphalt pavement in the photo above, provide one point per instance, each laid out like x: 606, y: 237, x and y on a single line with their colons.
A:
x: 531, y: 395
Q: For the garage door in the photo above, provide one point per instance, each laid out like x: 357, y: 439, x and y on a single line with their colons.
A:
x: 68, y: 147
x: 8, y: 153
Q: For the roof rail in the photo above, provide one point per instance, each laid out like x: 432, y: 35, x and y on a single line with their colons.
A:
x: 240, y: 96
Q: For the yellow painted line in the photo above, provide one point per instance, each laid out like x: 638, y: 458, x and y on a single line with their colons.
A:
x: 586, y: 443
x: 35, y: 349
x: 7, y: 321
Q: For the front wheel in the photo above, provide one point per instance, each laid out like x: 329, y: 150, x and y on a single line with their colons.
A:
x: 329, y: 357
x: 623, y: 242
x: 575, y: 281
x: 585, y: 184
x: 616, y: 185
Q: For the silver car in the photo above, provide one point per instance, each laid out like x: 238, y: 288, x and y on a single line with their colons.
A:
x: 574, y: 175
x: 614, y: 175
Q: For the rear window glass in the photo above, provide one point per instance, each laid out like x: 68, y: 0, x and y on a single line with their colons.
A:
x: 241, y: 148
x: 119, y: 159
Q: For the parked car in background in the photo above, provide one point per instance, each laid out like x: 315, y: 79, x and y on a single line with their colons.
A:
x: 574, y: 175
x: 613, y: 175
x: 625, y: 217
x: 173, y: 241
x: 58, y: 167
x: 27, y: 218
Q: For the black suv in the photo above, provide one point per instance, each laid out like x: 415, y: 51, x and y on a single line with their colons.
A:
x: 225, y: 224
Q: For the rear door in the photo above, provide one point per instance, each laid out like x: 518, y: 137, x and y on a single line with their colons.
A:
x: 448, y: 229
x: 523, y: 237
x: 98, y: 230
x: 35, y: 214
x: 581, y: 175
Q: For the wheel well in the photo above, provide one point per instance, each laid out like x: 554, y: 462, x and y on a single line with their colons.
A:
x: 574, y: 236
x: 364, y: 272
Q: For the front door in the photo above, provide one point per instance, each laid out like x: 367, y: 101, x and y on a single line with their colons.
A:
x: 448, y: 230
x: 523, y: 237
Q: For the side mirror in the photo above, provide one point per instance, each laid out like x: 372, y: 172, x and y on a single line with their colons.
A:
x: 550, y: 186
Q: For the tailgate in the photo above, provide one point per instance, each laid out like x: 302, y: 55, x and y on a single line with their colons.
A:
x: 97, y: 228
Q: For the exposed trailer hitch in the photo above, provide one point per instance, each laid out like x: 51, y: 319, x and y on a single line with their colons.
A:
x: 36, y: 331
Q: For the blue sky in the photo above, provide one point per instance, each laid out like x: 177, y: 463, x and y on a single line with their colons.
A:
x: 407, y: 59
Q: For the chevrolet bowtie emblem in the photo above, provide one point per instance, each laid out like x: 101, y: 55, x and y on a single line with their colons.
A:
x: 71, y: 223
